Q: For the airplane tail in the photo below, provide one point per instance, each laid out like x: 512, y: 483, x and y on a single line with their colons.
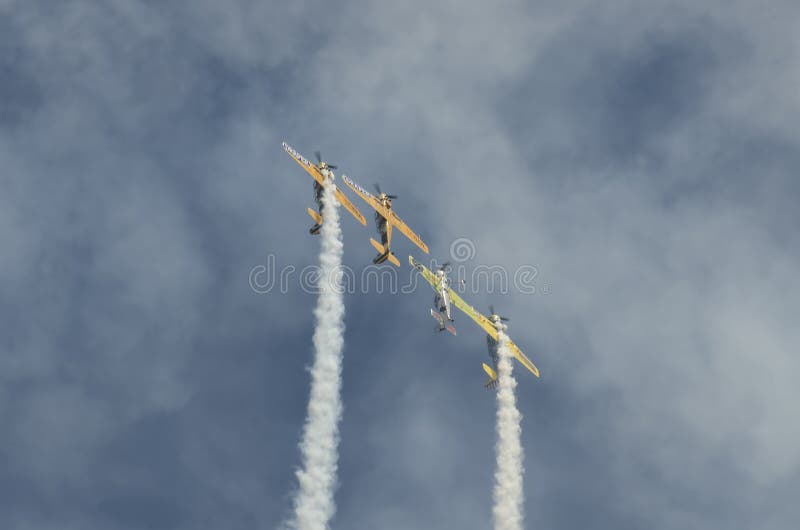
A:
x: 317, y: 219
x: 443, y: 325
x: 492, y: 382
x: 384, y: 254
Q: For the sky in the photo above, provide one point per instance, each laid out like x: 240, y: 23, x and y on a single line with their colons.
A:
x: 641, y: 159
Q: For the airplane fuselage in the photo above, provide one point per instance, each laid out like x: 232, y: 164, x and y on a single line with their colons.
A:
x: 318, y: 195
x: 380, y: 224
x: 328, y: 176
x: 442, y: 299
x: 491, y: 343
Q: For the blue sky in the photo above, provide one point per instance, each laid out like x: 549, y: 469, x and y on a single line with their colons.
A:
x: 642, y: 158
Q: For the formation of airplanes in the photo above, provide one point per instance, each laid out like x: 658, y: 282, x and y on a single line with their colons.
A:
x: 386, y: 220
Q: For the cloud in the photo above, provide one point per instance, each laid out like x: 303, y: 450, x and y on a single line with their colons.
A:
x: 643, y: 159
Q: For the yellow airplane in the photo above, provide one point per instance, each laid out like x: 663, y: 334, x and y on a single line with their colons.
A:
x: 490, y: 325
x: 322, y: 172
x: 385, y: 219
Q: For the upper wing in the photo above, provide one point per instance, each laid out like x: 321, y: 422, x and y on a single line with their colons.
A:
x: 315, y: 172
x: 390, y: 216
x: 305, y: 164
x: 489, y: 328
x: 424, y: 271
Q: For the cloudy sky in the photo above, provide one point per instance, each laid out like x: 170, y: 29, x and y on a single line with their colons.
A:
x: 643, y: 158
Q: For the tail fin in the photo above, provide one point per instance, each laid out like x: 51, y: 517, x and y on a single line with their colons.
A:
x: 384, y: 254
x: 443, y: 324
x: 317, y: 219
x: 438, y: 318
x: 315, y: 216
x: 492, y: 382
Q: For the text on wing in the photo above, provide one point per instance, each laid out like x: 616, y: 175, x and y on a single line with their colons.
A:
x: 295, y: 154
x: 356, y: 186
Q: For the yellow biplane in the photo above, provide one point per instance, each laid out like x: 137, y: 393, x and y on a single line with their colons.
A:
x: 385, y: 220
x: 322, y: 172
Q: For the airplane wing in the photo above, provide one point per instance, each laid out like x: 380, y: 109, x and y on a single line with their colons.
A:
x: 350, y: 207
x: 305, y: 164
x: 424, y: 271
x: 390, y: 215
x: 317, y: 175
x: 489, y: 328
x: 524, y: 361
x: 400, y: 225
x: 474, y: 314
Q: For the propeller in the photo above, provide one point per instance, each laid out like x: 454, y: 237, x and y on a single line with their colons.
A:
x: 319, y: 160
x: 378, y: 189
x: 504, y: 319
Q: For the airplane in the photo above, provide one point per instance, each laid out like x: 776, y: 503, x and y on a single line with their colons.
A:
x: 385, y: 220
x: 492, y: 326
x: 322, y: 172
x: 441, y: 301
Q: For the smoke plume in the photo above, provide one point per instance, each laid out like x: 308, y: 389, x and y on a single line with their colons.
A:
x: 314, y: 505
x: 508, y: 491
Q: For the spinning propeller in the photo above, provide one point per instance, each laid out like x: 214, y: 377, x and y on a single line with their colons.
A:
x: 504, y: 319
x: 320, y: 162
x: 378, y: 189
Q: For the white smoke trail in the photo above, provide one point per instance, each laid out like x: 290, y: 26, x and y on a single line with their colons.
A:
x: 313, y: 503
x: 508, y: 491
